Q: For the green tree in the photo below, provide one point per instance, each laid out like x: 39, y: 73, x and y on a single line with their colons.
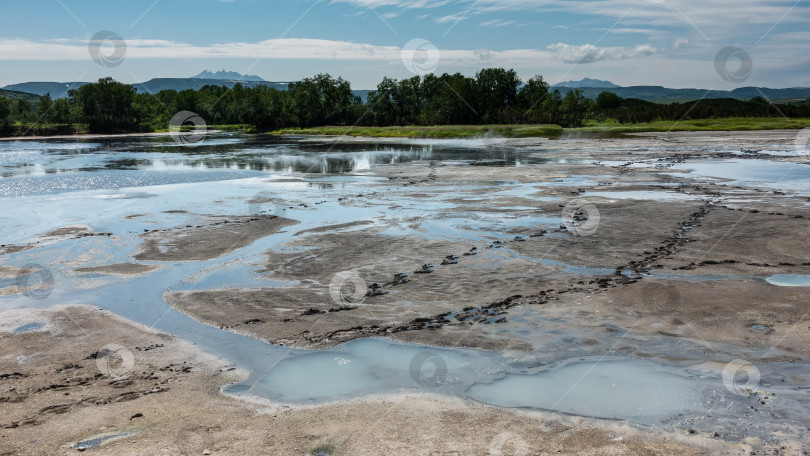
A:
x: 531, y: 97
x: 107, y: 105
x: 495, y: 88
x: 552, y: 108
x: 21, y: 111
x: 44, y: 108
x: 61, y: 112
x: 5, y: 113
x: 382, y: 107
x: 608, y: 100
x: 321, y: 100
x: 574, y: 108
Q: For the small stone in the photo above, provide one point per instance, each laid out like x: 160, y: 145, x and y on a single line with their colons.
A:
x: 206, y: 452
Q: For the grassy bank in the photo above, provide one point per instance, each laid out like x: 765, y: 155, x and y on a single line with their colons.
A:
x: 526, y: 131
x: 448, y: 131
x: 469, y: 131
x: 722, y: 124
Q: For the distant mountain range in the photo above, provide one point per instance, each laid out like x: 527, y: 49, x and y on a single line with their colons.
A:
x: 590, y: 88
x: 228, y: 76
x: 60, y: 89
x: 658, y: 94
x: 587, y: 83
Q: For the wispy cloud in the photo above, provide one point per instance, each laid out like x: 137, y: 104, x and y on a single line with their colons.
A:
x: 719, y: 19
x: 312, y: 49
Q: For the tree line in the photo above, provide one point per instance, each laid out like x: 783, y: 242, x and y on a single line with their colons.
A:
x: 492, y: 96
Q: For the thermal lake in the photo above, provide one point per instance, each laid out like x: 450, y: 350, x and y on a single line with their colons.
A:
x: 77, y: 218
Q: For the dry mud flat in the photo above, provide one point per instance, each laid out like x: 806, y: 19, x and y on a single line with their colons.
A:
x: 64, y: 384
x: 672, y: 258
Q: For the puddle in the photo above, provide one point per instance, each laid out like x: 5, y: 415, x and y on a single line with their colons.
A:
x: 98, y: 441
x: 618, y: 388
x: 364, y: 367
x: 612, y: 389
x: 29, y: 327
x: 643, y: 195
x: 752, y: 173
x: 789, y: 280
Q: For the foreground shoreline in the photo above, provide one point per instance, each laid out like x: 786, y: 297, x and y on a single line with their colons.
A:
x: 168, y: 401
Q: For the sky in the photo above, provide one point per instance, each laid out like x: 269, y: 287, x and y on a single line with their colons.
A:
x: 719, y: 44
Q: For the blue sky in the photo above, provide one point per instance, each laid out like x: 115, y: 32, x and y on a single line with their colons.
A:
x: 630, y: 42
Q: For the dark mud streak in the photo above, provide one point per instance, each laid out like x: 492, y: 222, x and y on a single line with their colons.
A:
x: 496, y: 311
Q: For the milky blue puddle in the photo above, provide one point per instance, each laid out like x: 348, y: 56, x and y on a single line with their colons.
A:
x: 29, y: 327
x: 96, y: 441
x: 617, y: 389
x: 622, y: 388
x: 789, y: 280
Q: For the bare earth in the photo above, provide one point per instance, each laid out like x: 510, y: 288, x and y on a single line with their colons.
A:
x: 53, y: 393
x: 169, y: 404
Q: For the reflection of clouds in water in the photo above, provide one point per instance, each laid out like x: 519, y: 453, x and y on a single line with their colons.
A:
x: 362, y: 163
x: 243, y: 155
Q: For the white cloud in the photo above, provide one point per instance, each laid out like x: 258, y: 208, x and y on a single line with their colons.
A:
x: 284, y: 49
x: 679, y: 42
x: 588, y: 53
x: 314, y: 49
x: 497, y: 23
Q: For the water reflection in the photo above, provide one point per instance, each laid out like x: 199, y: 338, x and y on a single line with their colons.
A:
x: 240, y: 153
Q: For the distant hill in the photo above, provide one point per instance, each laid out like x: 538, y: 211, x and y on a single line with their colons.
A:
x: 56, y: 89
x: 658, y: 94
x: 60, y: 89
x: 587, y: 83
x: 228, y: 76
x: 14, y: 95
x: 178, y: 84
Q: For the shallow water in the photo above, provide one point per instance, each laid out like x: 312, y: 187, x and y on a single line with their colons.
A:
x: 613, y: 389
x: 29, y: 327
x: 98, y: 441
x: 30, y: 168
x: 101, y: 183
x: 786, y: 176
x: 789, y: 280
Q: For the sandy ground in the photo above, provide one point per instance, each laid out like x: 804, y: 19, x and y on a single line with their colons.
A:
x: 57, y: 390
x: 686, y: 269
